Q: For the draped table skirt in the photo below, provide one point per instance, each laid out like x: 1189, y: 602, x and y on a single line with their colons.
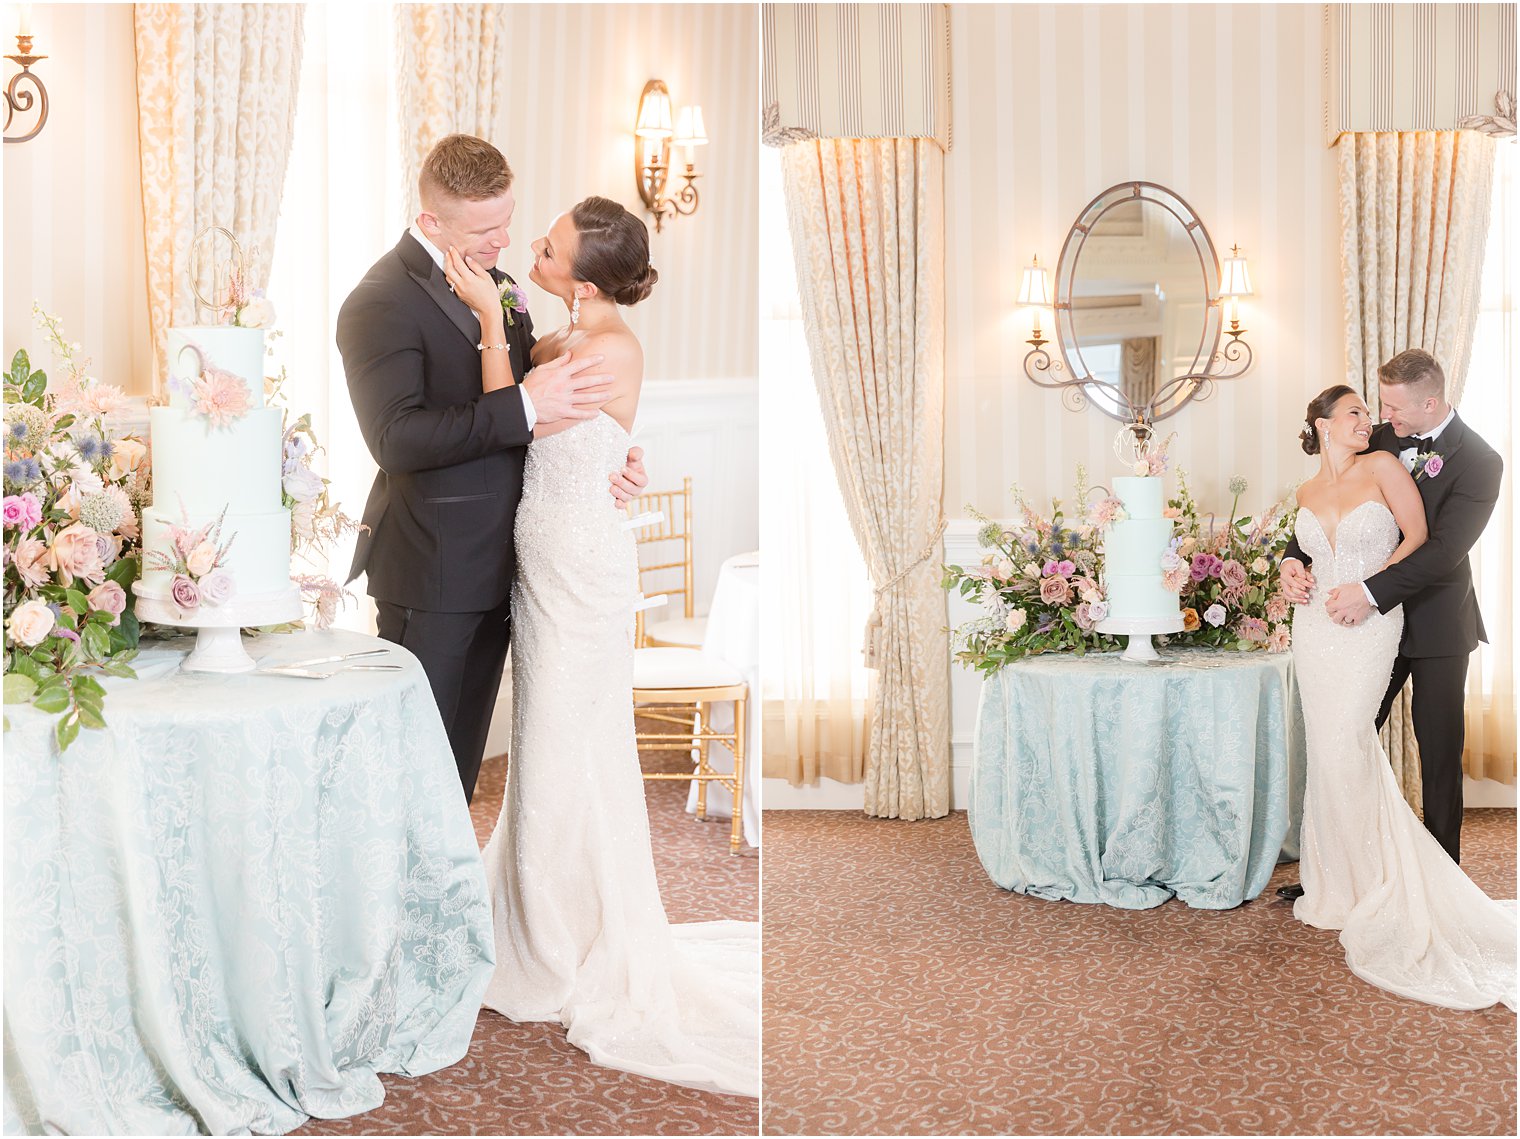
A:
x: 1100, y: 780
x: 240, y: 902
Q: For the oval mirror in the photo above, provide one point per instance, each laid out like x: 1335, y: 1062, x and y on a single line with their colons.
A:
x: 1137, y: 302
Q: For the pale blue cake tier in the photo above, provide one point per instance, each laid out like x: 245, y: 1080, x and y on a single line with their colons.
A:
x: 204, y: 468
x: 1142, y: 497
x: 1136, y: 546
x: 236, y: 350
x: 258, y: 559
x: 1139, y: 597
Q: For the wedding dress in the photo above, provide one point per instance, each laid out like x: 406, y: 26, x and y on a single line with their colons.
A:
x: 581, y: 934
x: 1410, y: 920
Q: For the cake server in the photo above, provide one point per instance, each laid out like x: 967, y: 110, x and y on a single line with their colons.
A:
x: 313, y: 674
x: 330, y: 660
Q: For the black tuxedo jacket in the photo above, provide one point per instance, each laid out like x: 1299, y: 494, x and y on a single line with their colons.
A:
x: 451, y: 458
x: 1434, y: 584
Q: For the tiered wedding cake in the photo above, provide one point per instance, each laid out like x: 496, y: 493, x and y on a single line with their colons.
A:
x: 1139, y: 603
x: 216, y: 539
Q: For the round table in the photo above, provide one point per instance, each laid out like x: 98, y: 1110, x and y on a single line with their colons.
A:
x: 241, y: 901
x: 733, y: 635
x: 1096, y: 779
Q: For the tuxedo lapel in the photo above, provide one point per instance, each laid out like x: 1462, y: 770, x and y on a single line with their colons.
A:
x: 425, y: 271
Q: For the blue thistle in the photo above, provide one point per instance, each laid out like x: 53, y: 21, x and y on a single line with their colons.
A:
x: 93, y: 449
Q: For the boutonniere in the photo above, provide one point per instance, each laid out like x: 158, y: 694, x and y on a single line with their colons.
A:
x: 1427, y: 464
x: 513, y: 299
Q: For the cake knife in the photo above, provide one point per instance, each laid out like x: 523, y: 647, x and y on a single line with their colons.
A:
x: 312, y: 674
x: 330, y: 660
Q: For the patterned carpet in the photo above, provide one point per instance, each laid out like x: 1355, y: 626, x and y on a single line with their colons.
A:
x: 524, y: 1079
x: 905, y: 993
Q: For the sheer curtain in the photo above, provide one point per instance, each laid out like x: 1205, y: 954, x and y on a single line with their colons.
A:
x: 343, y: 208
x: 815, y: 686
x: 1488, y: 402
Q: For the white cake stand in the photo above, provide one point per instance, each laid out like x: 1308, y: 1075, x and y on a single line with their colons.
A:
x: 219, y: 645
x: 1140, y: 631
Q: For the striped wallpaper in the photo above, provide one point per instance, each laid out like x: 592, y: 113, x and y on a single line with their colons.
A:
x: 567, y: 130
x: 73, y: 202
x: 1415, y: 66
x: 1220, y: 103
x: 73, y: 206
x: 855, y: 71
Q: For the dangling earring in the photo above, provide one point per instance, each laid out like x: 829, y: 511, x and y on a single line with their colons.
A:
x: 575, y: 311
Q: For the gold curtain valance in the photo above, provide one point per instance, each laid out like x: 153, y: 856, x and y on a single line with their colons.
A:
x: 855, y: 71
x: 1419, y: 67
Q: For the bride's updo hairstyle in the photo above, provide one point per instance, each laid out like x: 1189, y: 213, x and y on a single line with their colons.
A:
x: 1320, y: 407
x: 614, y: 251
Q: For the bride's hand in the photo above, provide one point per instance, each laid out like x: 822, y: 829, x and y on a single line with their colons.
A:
x: 472, y: 285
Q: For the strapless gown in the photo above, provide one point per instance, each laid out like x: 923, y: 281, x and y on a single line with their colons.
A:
x: 1409, y: 919
x: 581, y: 933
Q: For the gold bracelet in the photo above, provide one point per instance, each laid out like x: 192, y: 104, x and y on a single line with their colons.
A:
x: 482, y: 347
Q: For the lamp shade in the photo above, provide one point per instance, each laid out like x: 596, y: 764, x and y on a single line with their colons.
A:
x: 690, y: 130
x: 654, y: 112
x: 1035, y: 289
x: 1235, y: 278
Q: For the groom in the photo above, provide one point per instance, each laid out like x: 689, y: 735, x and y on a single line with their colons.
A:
x: 1458, y: 477
x: 438, y: 548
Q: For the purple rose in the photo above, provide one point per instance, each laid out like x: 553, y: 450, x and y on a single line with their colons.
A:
x: 1433, y: 466
x: 184, y: 592
x: 1065, y: 568
x: 1216, y: 566
x: 1200, y: 569
x: 1050, y: 569
x: 1214, y: 615
x: 216, y: 587
x: 1098, y: 610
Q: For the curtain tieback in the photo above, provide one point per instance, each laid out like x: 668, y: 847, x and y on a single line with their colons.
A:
x: 874, y: 622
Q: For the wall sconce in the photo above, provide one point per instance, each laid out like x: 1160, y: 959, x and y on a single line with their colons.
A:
x: 655, y: 137
x: 1235, y: 282
x: 15, y: 98
x: 1034, y: 293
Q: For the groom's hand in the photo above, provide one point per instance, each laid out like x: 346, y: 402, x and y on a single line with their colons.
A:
x: 566, y: 389
x: 1297, y: 581
x: 1348, y: 604
x: 630, y: 482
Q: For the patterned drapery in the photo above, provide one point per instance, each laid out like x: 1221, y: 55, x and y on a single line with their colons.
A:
x: 867, y: 224
x: 1419, y: 67
x: 855, y: 71
x: 216, y: 98
x: 450, y: 77
x: 1414, y: 212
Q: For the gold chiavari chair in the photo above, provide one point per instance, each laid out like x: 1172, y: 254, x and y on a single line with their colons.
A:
x: 665, y: 568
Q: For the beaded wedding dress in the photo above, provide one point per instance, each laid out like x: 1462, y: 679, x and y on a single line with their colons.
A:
x: 581, y: 934
x: 1410, y: 920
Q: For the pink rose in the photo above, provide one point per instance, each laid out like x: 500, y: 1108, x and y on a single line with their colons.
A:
x: 31, y: 561
x: 1433, y: 466
x: 184, y: 592
x: 1055, y: 590
x: 30, y: 622
x: 108, y: 597
x: 22, y: 511
x: 1084, y: 618
x: 216, y: 587
x: 1065, y: 568
x: 1233, y: 574
x: 76, y: 553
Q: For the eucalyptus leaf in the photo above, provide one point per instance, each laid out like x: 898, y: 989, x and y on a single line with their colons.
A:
x: 19, y: 688
x: 52, y: 700
x: 66, y: 731
x: 91, y: 717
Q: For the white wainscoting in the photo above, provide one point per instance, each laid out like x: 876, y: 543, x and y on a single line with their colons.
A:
x: 708, y: 429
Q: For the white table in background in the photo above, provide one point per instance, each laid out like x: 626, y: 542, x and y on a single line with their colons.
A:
x: 733, y: 634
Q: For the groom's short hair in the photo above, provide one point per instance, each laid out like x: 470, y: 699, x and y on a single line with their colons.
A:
x: 1418, y: 370
x: 462, y: 167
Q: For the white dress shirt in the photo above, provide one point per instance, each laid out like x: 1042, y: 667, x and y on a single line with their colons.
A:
x: 437, y: 255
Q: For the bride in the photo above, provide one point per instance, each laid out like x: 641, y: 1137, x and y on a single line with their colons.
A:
x: 1409, y: 919
x: 581, y: 934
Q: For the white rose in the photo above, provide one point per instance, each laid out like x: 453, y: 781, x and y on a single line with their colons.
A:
x: 1016, y: 619
x: 201, y: 559
x: 1259, y: 566
x: 257, y: 313
x: 30, y: 622
x: 302, y: 483
x: 1141, y: 469
x: 1003, y: 570
x: 1032, y: 572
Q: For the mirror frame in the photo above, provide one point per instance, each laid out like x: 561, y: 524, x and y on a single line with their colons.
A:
x: 1069, y: 372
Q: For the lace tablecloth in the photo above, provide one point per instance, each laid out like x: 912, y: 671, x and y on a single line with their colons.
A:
x: 240, y: 902
x: 733, y: 635
x: 1100, y: 780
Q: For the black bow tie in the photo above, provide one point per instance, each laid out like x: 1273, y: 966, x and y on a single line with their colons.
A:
x: 1407, y: 441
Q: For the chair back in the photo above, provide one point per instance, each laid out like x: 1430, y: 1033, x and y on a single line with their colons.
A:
x: 665, y: 561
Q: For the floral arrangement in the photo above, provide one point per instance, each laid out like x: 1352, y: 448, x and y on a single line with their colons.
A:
x: 1226, y: 576
x: 195, y: 565
x: 513, y: 299
x: 72, y: 496
x: 246, y: 308
x: 316, y: 521
x: 1041, y: 580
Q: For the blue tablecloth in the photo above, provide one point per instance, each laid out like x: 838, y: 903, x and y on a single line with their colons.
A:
x: 240, y: 902
x: 1101, y: 780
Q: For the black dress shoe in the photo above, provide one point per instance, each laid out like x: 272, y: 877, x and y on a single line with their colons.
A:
x: 1292, y: 893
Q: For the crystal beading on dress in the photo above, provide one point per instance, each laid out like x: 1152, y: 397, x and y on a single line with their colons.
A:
x: 581, y: 934
x: 1410, y: 920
